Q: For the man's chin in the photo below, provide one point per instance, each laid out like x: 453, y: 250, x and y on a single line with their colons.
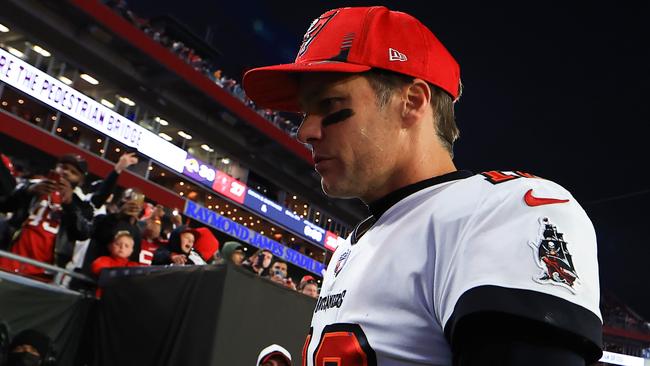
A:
x: 336, y: 191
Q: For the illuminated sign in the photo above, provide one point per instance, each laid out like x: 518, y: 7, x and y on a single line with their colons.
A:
x: 199, y: 171
x: 237, y: 191
x: 86, y: 110
x: 621, y: 359
x: 243, y: 233
x: 283, y: 216
x: 229, y: 187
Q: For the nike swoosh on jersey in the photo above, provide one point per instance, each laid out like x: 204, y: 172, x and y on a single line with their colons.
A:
x: 539, y: 201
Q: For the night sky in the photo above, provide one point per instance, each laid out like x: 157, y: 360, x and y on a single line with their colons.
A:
x: 558, y: 90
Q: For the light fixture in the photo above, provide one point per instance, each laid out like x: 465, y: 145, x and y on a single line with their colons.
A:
x: 294, y: 197
x: 101, y: 151
x: 162, y: 174
x: 182, y: 183
x: 20, y: 101
x: 4, y: 103
x: 107, y: 103
x: 74, y: 128
x: 99, y: 141
x: 59, y: 130
x: 40, y: 50
x: 150, y: 168
x: 117, y: 149
x: 161, y: 121
x: 225, y: 161
x: 207, y: 148
x: 181, y: 193
x: 165, y: 136
x: 329, y: 220
x: 15, y: 52
x: 3, y: 28
x: 65, y: 80
x: 89, y: 79
x: 126, y: 101
x: 184, y: 135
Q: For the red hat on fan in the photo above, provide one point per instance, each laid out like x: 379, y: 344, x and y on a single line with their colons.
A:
x: 353, y: 40
x: 205, y: 242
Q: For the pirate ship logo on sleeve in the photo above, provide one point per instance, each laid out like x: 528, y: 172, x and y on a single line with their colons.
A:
x: 553, y: 257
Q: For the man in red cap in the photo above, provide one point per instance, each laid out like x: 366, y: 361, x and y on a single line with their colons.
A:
x: 450, y: 268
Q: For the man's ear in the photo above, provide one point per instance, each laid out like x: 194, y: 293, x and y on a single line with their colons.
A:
x: 417, y: 98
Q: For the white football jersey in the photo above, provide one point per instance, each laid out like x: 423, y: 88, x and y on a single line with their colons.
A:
x: 388, y: 298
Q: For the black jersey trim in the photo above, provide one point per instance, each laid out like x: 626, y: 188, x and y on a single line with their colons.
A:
x: 380, y: 206
x: 524, y: 314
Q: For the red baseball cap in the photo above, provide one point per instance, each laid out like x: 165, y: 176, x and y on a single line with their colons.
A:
x: 353, y: 40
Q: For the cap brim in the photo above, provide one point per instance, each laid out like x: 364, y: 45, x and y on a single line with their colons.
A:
x: 276, y: 87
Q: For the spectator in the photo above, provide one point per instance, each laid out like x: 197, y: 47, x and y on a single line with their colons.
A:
x: 274, y: 355
x: 4, y: 343
x: 232, y: 252
x: 279, y: 274
x: 120, y: 250
x: 106, y: 226
x: 259, y: 263
x: 308, y: 286
x: 99, y: 193
x: 180, y: 249
x: 52, y: 217
x: 206, y: 244
x: 151, y: 240
x: 30, y: 347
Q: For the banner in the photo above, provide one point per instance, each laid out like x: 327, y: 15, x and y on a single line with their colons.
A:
x: 86, y: 110
x: 243, y: 233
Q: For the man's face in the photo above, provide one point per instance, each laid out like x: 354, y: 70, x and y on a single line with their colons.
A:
x: 152, y: 230
x: 237, y: 257
x: 187, y: 242
x: 310, y: 289
x: 280, y: 267
x: 352, y: 138
x: 121, y: 247
x: 70, y: 173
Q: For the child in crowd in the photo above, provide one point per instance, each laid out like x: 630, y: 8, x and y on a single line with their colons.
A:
x: 120, y: 249
x: 180, y: 249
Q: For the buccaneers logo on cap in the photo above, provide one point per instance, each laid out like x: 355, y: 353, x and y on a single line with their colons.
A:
x: 553, y: 257
x: 316, y: 26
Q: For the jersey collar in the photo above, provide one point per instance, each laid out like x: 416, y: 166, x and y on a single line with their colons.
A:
x: 378, y: 207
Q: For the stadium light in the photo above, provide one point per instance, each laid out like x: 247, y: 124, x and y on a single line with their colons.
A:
x: 15, y: 52
x: 184, y: 135
x: 107, y: 103
x: 40, y: 50
x: 3, y: 28
x: 165, y: 136
x: 127, y: 101
x: 225, y: 161
x: 89, y: 79
x: 207, y: 148
x: 65, y: 80
x: 161, y: 121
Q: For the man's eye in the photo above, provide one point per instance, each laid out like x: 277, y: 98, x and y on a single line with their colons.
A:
x: 327, y: 104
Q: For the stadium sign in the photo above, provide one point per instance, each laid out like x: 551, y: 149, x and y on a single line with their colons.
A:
x: 243, y: 233
x: 49, y: 90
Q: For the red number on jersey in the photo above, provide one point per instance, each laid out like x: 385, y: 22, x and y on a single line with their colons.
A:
x: 341, y: 345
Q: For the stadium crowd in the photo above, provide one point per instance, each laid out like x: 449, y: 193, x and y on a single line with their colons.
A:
x: 59, y: 219
x: 201, y: 64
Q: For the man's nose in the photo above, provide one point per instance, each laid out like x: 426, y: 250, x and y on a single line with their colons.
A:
x: 310, y: 129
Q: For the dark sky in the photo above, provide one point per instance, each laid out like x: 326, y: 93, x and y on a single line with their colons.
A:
x: 559, y: 90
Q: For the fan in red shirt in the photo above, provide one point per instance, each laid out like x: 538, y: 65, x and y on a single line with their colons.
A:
x: 120, y: 249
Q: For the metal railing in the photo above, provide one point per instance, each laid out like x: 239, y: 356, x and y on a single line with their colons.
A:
x: 60, y: 271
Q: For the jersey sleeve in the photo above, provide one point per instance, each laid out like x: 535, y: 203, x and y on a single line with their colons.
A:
x: 529, y: 250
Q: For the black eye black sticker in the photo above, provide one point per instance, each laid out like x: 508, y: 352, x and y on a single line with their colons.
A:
x: 337, y: 116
